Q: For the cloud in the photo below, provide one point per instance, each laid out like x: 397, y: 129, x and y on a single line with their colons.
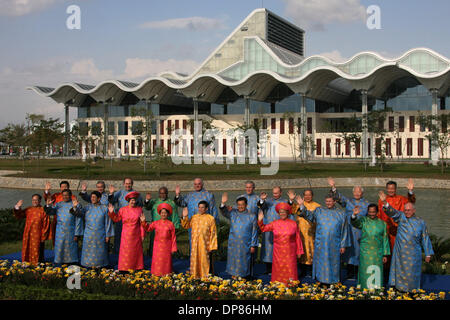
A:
x: 315, y: 14
x: 23, y: 7
x: 138, y: 68
x: 334, y: 55
x: 190, y: 23
x: 87, y: 68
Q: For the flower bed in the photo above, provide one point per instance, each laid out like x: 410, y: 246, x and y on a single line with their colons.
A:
x: 143, y: 285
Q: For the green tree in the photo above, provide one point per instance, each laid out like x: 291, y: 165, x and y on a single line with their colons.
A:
x: 438, y: 134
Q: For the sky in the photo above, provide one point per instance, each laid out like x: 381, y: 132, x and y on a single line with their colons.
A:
x: 134, y: 39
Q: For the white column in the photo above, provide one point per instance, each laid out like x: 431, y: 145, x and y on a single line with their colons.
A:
x: 303, y: 125
x: 364, y: 144
x: 195, y: 109
x: 434, y: 113
x: 66, y: 131
x: 247, y: 111
x: 105, y: 128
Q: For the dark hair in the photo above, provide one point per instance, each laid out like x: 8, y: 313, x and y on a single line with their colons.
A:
x: 391, y: 182
x: 102, y: 182
x: 241, y: 199
x: 67, y: 190
x: 164, y: 188
x: 37, y: 195
x: 205, y: 203
x: 310, y: 190
x: 96, y: 193
x: 372, y: 205
x: 64, y: 182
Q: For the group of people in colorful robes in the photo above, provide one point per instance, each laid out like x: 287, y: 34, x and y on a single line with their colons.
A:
x: 360, y: 233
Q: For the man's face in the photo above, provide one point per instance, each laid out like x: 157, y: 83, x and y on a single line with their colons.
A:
x: 94, y: 199
x: 65, y: 196
x: 201, y: 208
x: 241, y: 206
x: 100, y: 187
x: 198, y: 184
x: 409, y: 210
x: 64, y: 186
x: 308, y: 196
x: 249, y: 188
x: 372, y: 212
x: 391, y: 190
x: 276, y: 192
x: 35, y: 201
x: 357, y: 193
x: 329, y: 202
x: 162, y: 194
x: 127, y: 184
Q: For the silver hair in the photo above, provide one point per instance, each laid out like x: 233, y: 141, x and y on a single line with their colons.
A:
x: 412, y: 204
x: 362, y: 189
x: 201, y: 180
x: 252, y: 183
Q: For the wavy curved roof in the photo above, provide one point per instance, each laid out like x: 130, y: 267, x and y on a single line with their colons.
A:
x: 262, y: 66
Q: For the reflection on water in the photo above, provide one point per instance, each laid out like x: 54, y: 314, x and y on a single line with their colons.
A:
x: 432, y: 205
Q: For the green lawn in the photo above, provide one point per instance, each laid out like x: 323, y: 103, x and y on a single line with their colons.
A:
x: 105, y: 169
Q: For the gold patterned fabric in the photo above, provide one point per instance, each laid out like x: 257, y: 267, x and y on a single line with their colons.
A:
x: 307, y: 232
x: 203, y: 241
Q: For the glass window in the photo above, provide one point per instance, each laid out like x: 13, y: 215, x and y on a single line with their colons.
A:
x: 97, y: 111
x: 96, y: 128
x: 83, y: 112
x: 136, y: 127
x: 111, y: 128
x: 118, y: 111
x: 123, y: 128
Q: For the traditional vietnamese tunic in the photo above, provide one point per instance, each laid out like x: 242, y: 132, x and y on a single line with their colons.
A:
x: 98, y: 227
x: 131, y: 255
x: 165, y: 244
x: 68, y: 227
x: 331, y: 235
x: 34, y: 234
x: 204, y: 240
x: 406, y: 264
x: 374, y: 246
x: 243, y: 236
x: 307, y: 232
x: 270, y: 215
x: 351, y: 255
x: 286, y: 247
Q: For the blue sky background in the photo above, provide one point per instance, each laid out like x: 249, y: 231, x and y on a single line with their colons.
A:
x: 38, y: 49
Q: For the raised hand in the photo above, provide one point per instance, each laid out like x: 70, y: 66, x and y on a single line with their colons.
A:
x: 185, y: 212
x: 148, y: 196
x: 177, y: 190
x: 382, y: 196
x: 75, y: 201
x: 410, y: 184
x: 49, y: 201
x: 107, y: 239
x: 83, y: 187
x: 331, y: 182
x: 111, y: 208
x: 263, y: 196
x: 299, y: 200
x: 48, y: 186
x: 111, y: 189
x: 356, y: 210
x: 260, y: 215
x: 224, y: 197
x: 19, y: 203
x: 142, y: 217
x: 291, y: 194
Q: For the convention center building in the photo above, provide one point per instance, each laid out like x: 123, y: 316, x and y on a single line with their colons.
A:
x: 260, y: 76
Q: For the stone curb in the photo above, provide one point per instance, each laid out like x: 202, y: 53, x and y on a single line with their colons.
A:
x: 186, y: 185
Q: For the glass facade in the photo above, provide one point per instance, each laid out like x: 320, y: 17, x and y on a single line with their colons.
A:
x: 123, y: 128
